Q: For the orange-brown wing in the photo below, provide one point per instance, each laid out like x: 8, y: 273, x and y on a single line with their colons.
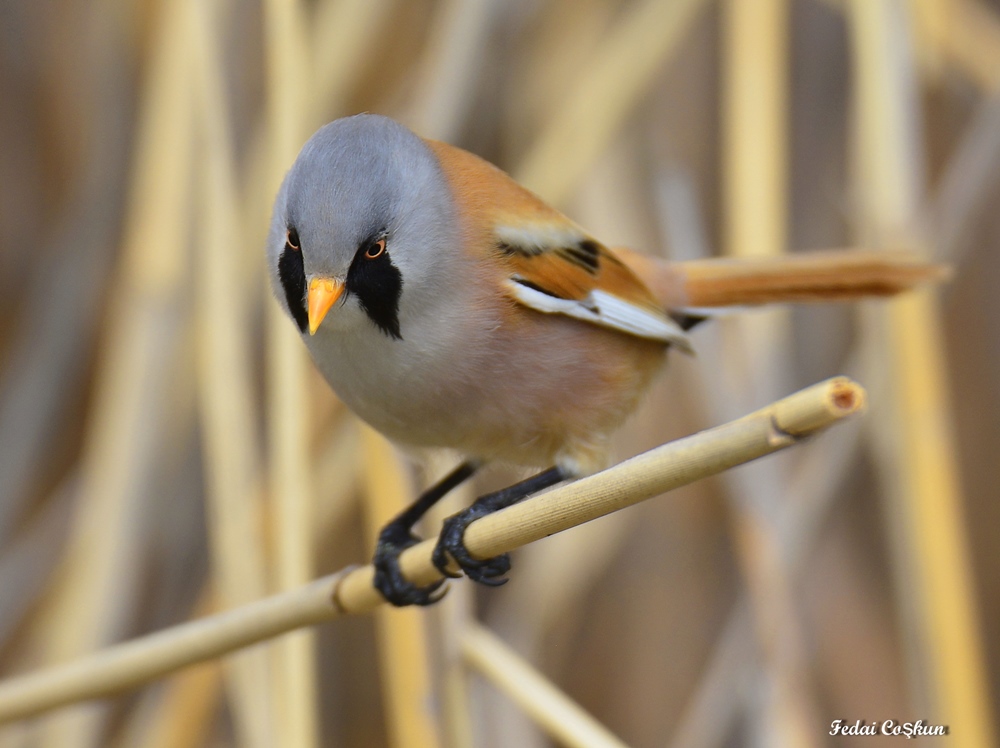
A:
x: 581, y: 278
x: 553, y: 266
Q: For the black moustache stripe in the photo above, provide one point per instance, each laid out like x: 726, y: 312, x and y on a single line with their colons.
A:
x: 292, y: 274
x: 378, y: 285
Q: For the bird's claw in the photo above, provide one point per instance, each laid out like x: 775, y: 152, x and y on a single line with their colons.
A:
x: 389, y: 579
x: 489, y: 571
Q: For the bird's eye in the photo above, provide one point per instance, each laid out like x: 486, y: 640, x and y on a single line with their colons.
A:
x: 375, y: 250
x: 292, y: 239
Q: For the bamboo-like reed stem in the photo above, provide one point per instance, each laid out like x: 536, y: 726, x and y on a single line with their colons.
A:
x: 225, y: 388
x: 451, y: 618
x: 580, y: 125
x: 181, y: 712
x: 27, y: 565
x: 343, y: 31
x: 965, y: 35
x: 755, y: 153
x: 46, y: 357
x: 100, y: 579
x: 968, y: 183
x: 775, y: 427
x: 289, y: 56
x: 755, y: 134
x: 402, y: 635
x: 140, y: 660
x: 561, y: 717
x: 630, y: 482
x: 917, y: 448
x: 185, y: 715
x: 451, y: 67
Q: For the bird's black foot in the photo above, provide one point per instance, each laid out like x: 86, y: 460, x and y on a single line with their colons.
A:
x: 389, y: 580
x: 488, y: 571
x: 398, y: 535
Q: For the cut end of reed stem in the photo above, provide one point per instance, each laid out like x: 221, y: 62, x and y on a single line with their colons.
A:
x: 812, y: 409
x: 846, y: 396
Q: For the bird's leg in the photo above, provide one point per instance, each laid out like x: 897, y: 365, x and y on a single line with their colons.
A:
x: 488, y: 571
x: 398, y: 535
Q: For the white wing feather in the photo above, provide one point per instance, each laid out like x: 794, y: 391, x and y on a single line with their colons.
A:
x: 603, y: 309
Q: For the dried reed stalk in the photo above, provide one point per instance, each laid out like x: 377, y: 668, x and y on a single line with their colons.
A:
x: 755, y: 128
x: 186, y: 709
x: 917, y: 447
x: 226, y: 392
x: 632, y: 481
x: 186, y: 713
x: 755, y: 178
x: 402, y: 635
x: 288, y: 57
x: 713, y: 707
x: 582, y: 123
x: 561, y: 717
x: 343, y: 34
x: 965, y: 35
x: 29, y: 560
x: 451, y: 66
x: 968, y: 183
x: 100, y: 581
x: 182, y: 712
x: 775, y: 427
x: 755, y: 181
x: 46, y: 356
x: 451, y: 618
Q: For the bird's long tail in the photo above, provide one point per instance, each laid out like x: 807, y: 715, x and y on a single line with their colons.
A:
x: 829, y: 275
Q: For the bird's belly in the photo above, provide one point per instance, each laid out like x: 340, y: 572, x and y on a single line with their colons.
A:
x: 552, y: 391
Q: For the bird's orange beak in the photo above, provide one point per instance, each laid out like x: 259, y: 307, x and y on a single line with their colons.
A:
x: 323, y: 293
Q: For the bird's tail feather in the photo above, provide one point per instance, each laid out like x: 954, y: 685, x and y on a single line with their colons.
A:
x: 829, y: 275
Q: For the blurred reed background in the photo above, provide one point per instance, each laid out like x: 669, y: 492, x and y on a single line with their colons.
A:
x: 166, y: 449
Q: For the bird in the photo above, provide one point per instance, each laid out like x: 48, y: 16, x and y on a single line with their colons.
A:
x: 449, y: 307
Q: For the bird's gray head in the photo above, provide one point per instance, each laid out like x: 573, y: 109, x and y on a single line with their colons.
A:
x: 356, y: 225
